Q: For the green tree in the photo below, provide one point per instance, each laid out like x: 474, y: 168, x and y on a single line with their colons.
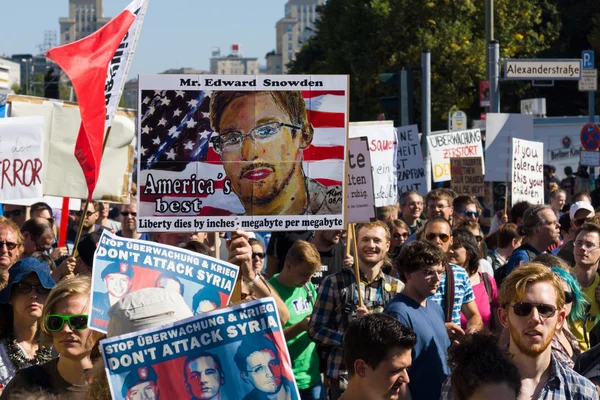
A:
x: 363, y: 38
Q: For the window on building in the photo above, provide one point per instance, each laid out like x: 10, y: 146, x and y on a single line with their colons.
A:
x: 290, y: 37
x: 288, y: 28
x: 67, y: 37
x: 289, y: 46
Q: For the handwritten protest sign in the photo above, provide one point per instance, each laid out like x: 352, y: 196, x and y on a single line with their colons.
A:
x: 448, y: 145
x: 243, y: 346
x: 361, y: 201
x: 467, y: 176
x: 258, y: 153
x: 124, y: 265
x: 21, y: 157
x: 382, y: 146
x: 527, y: 171
x: 409, y: 160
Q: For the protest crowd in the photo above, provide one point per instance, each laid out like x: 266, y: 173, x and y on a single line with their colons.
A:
x: 448, y: 309
x: 265, y: 248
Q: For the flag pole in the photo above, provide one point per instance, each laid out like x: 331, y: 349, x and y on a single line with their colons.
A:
x: 87, y: 201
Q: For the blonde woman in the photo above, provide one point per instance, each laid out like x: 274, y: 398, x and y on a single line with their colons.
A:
x: 64, y: 324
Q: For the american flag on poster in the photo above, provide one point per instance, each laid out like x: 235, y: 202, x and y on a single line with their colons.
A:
x: 175, y: 134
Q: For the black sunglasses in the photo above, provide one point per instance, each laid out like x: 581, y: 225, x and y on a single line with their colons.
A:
x: 260, y: 255
x: 128, y: 213
x: 77, y: 322
x: 523, y: 309
x: 87, y: 214
x: 24, y: 287
x: 397, y: 235
x: 9, y: 245
x: 469, y: 214
x: 13, y: 213
x: 569, y: 297
x: 431, y: 237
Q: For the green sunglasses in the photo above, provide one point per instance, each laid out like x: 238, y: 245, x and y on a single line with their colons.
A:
x: 77, y: 322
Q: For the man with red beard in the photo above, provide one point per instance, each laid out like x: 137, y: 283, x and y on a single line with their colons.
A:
x: 11, y: 247
x: 532, y: 300
x: 337, y: 301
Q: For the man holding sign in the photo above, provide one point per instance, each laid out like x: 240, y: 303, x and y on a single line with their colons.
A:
x: 337, y: 303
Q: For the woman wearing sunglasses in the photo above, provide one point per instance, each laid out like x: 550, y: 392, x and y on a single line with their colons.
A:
x: 564, y: 344
x: 399, y: 231
x: 22, y: 303
x: 64, y: 324
x: 465, y: 252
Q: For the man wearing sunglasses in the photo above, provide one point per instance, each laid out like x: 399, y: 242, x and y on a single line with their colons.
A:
x: 17, y: 214
x: 541, y: 229
x: 89, y: 221
x: 580, y: 213
x: 587, y: 257
x: 128, y: 221
x: 465, y: 209
x: 261, y: 137
x: 438, y: 232
x: 141, y: 384
x: 438, y: 203
x: 531, y: 308
x: 11, y: 247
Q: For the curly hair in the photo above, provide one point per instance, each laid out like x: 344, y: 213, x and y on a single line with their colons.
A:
x: 416, y: 255
x: 471, y: 370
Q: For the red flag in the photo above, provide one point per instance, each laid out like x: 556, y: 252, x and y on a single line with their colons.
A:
x: 86, y: 63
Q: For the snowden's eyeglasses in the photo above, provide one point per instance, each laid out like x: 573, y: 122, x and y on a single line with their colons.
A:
x: 232, y: 140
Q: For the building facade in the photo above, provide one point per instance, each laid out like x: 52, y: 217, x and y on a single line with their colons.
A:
x: 295, y: 28
x: 233, y: 64
x: 85, y: 17
x: 10, y: 74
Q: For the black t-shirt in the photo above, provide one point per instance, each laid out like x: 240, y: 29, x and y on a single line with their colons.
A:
x: 332, y: 261
x: 281, y: 242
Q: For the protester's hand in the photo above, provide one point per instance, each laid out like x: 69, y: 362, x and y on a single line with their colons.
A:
x: 304, y: 323
x: 240, y: 254
x: 58, y: 253
x: 64, y: 270
x: 348, y: 261
x: 454, y: 331
x: 361, y: 312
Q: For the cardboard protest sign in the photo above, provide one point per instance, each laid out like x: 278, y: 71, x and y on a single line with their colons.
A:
x: 409, y: 161
x: 237, y: 352
x: 448, y: 145
x: 258, y: 153
x: 64, y: 177
x: 124, y: 265
x: 500, y: 129
x: 382, y: 146
x: 527, y: 171
x: 21, y: 158
x: 361, y: 201
x: 467, y: 176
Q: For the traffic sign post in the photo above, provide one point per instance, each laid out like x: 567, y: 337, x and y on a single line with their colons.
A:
x: 589, y: 80
x: 590, y: 137
x: 589, y: 158
x: 587, y: 64
x: 587, y: 59
x: 458, y: 121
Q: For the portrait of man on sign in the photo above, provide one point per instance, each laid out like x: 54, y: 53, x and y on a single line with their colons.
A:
x: 260, y: 137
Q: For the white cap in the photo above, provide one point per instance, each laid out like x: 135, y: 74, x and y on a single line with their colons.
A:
x: 580, y: 205
x: 146, y: 308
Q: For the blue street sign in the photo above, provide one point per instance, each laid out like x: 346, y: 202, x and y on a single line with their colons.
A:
x: 587, y: 59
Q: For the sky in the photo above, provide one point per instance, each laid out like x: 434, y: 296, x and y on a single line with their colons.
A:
x: 175, y: 34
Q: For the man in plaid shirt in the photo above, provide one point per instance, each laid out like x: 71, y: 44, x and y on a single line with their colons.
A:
x: 337, y: 301
x: 532, y: 301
